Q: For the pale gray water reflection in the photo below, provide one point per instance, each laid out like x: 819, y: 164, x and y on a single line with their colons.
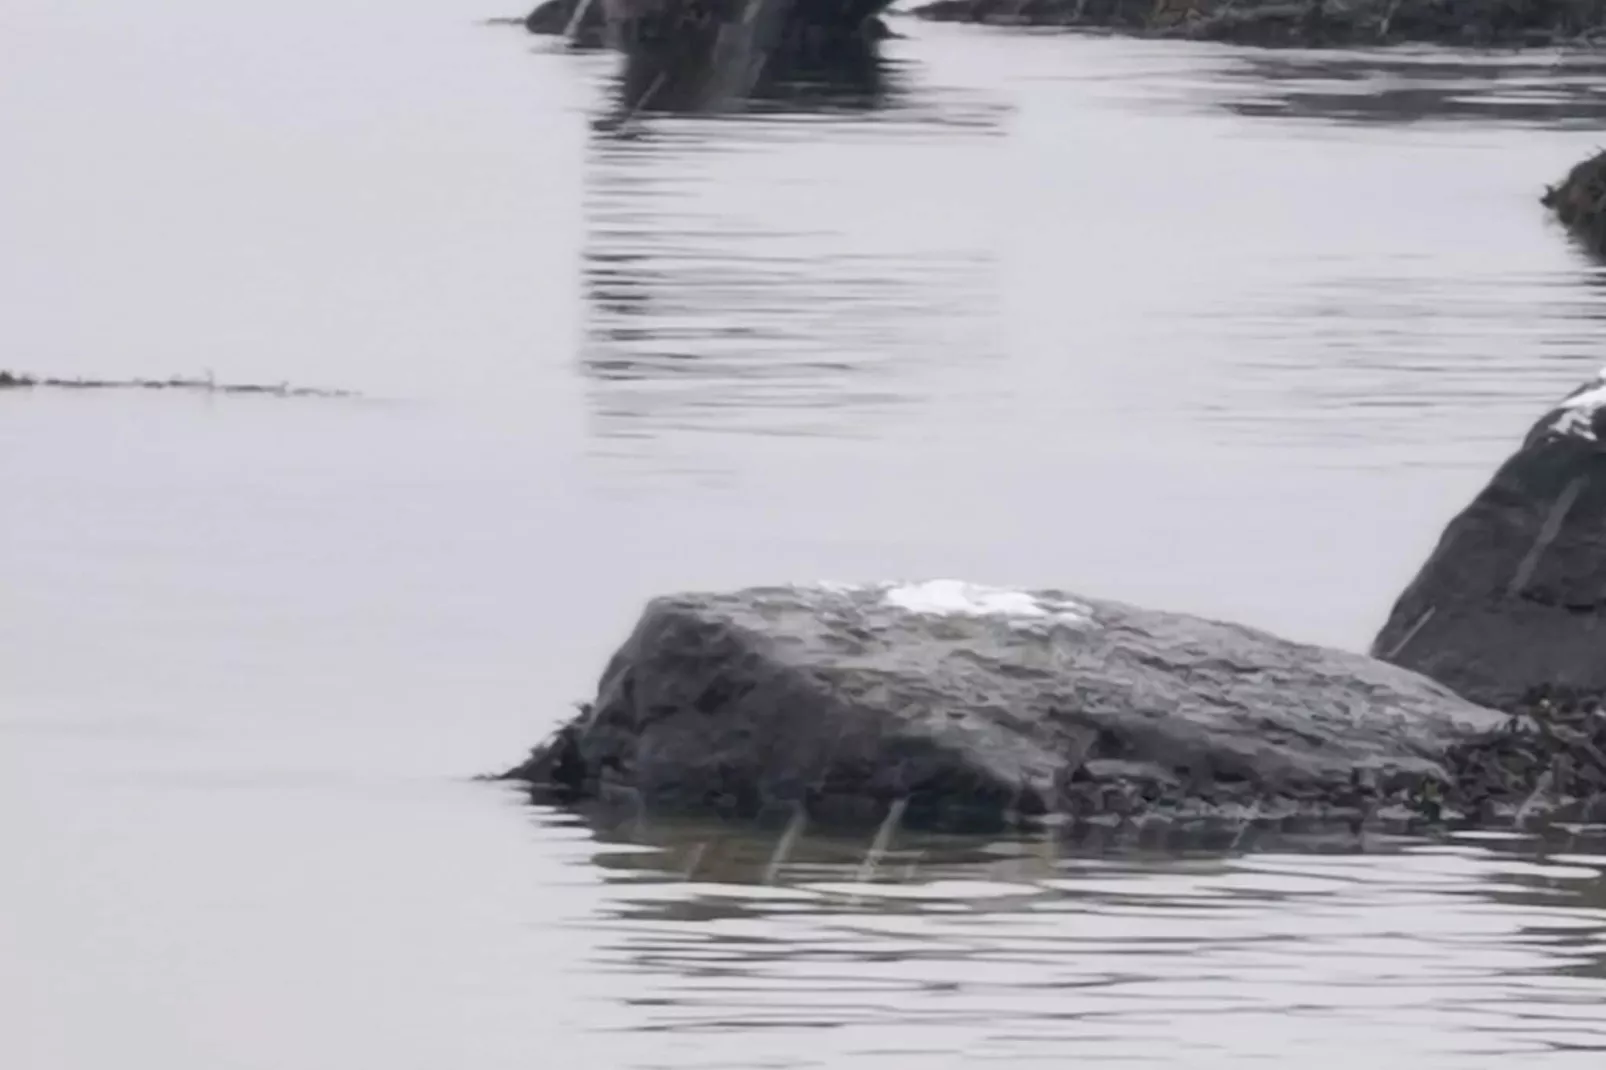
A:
x: 955, y: 254
x: 752, y: 272
x: 1559, y: 90
x: 1461, y: 953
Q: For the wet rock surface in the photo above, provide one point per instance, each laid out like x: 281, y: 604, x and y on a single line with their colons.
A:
x: 958, y: 707
x: 1512, y: 599
x: 1579, y: 201
x: 1323, y: 23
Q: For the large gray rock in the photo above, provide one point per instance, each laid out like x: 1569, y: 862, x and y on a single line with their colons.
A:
x: 971, y: 704
x: 1512, y: 599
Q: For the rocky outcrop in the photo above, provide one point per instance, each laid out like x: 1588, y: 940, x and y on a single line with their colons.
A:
x: 806, y: 24
x: 1304, y: 23
x: 1580, y: 202
x: 556, y: 17
x: 962, y: 706
x: 1513, y: 598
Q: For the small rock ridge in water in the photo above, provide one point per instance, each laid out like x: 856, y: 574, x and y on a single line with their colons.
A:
x: 19, y: 381
x: 1302, y: 23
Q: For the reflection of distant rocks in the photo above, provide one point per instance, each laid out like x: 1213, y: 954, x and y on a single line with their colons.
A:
x: 1565, y: 91
x: 741, y: 275
x: 1580, y: 202
x: 1303, y: 23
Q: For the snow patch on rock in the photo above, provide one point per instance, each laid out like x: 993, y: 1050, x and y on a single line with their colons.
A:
x: 956, y: 597
x: 1575, y: 415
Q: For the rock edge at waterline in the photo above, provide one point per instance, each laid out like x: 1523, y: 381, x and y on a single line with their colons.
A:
x: 968, y: 707
x: 1579, y: 201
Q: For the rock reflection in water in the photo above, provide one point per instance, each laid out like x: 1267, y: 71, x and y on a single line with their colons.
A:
x: 1454, y: 954
x: 741, y: 270
x: 1557, y: 92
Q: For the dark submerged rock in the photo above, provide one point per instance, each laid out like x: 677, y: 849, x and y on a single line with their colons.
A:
x: 1512, y: 599
x: 967, y: 707
x: 1303, y: 23
x: 1579, y: 201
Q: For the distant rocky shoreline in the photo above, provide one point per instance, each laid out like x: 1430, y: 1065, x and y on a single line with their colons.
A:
x: 808, y: 23
x: 1303, y: 23
x: 1482, y: 24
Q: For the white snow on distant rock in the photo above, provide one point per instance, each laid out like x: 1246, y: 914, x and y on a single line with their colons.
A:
x: 1575, y: 415
x: 956, y: 597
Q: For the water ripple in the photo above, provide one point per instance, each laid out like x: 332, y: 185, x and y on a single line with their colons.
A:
x: 1446, y: 953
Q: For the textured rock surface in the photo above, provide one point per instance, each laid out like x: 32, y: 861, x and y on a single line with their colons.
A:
x: 973, y: 704
x: 1334, y: 23
x: 1512, y: 599
x: 1580, y: 202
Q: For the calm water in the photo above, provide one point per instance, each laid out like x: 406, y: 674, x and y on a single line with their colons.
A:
x: 1181, y: 325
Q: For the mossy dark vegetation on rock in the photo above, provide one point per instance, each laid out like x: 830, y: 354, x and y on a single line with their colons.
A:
x: 1303, y: 23
x: 1547, y: 763
x: 1579, y: 201
x: 19, y: 381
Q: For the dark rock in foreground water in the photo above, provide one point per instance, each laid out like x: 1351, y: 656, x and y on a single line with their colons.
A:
x: 1513, y: 598
x: 966, y: 707
x: 1580, y: 202
x: 1325, y: 23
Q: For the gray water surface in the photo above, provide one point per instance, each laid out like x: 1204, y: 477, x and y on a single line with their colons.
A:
x: 1204, y: 329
